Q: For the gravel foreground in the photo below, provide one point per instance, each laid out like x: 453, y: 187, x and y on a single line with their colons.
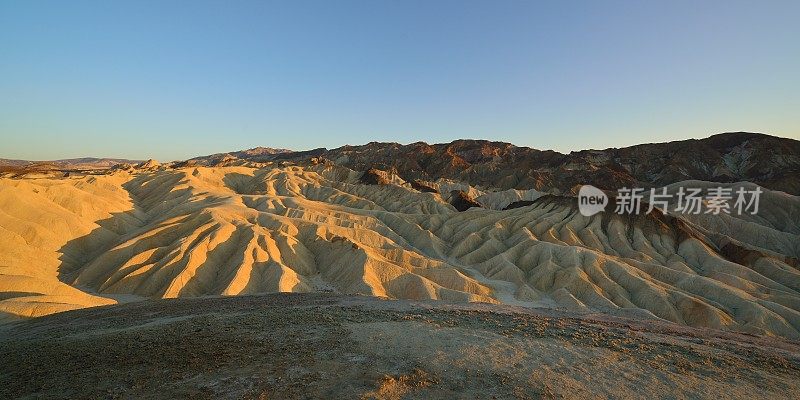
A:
x: 297, y: 346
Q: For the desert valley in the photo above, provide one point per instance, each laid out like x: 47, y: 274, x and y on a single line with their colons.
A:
x: 360, y: 199
x: 473, y: 243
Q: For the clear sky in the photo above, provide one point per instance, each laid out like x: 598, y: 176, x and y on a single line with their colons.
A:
x: 174, y: 79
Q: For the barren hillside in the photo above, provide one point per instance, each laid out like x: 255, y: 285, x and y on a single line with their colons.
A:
x: 161, y: 231
x: 299, y: 346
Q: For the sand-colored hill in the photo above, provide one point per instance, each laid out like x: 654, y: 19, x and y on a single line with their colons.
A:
x: 74, y: 242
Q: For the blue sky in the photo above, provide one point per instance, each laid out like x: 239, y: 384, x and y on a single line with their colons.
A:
x: 174, y: 79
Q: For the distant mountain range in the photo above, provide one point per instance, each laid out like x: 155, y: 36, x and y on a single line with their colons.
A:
x: 257, y: 154
x: 70, y: 163
x: 769, y: 161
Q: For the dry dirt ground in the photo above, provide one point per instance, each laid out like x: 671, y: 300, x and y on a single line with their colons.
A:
x: 288, y: 346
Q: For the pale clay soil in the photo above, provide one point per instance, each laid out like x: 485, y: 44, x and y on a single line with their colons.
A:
x: 83, y: 241
x: 296, y: 346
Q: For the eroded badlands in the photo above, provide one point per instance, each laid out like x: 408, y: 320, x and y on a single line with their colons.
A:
x: 156, y: 232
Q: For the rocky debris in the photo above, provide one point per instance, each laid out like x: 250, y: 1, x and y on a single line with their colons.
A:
x: 299, y: 155
x: 121, y: 167
x: 260, y: 151
x: 318, y: 160
x: 422, y: 186
x: 149, y: 165
x: 519, y: 204
x: 374, y: 176
x: 462, y: 201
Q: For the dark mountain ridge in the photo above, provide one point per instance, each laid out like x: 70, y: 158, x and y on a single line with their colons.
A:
x: 769, y: 161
